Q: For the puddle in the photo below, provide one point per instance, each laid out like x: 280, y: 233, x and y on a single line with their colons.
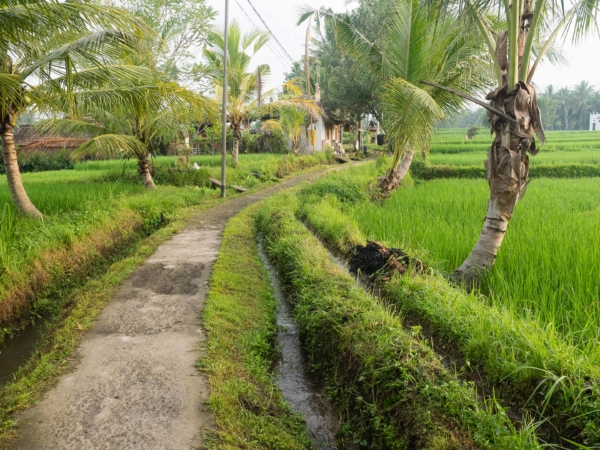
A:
x: 294, y: 379
x: 16, y: 352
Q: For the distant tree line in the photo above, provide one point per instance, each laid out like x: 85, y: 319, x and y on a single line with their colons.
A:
x: 563, y: 109
x: 569, y: 108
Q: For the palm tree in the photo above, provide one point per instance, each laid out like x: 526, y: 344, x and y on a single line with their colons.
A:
x: 531, y: 28
x: 245, y: 96
x: 418, y: 45
x: 42, y: 44
x: 564, y: 100
x: 581, y: 95
x: 244, y: 88
x: 139, y: 113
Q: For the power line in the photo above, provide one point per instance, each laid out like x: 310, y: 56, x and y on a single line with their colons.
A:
x: 272, y: 34
x: 273, y: 49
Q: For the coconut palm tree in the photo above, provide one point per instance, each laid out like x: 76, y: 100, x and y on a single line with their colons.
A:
x: 42, y: 45
x: 418, y: 44
x: 135, y: 118
x: 245, y: 96
x: 244, y: 87
x: 531, y: 28
x: 581, y: 95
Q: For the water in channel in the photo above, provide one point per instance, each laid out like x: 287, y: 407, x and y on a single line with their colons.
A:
x: 294, y: 379
x: 16, y: 351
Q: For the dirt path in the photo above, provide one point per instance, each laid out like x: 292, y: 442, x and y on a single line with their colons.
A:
x: 135, y: 384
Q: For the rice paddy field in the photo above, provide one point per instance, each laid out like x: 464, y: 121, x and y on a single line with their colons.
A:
x: 451, y: 148
x: 77, y: 203
x: 548, y: 266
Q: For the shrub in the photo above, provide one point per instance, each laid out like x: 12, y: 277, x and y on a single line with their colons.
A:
x: 42, y: 162
x: 175, y: 176
x: 345, y: 191
x: 473, y: 131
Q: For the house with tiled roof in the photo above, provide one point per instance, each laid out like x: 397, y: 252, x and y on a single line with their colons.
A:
x: 30, y: 138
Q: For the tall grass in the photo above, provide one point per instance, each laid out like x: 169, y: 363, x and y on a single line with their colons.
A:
x: 548, y: 265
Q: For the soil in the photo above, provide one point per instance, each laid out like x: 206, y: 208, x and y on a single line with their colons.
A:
x: 134, y: 382
x: 375, y: 259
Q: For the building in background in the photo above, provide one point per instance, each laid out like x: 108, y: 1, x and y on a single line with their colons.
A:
x: 595, y: 122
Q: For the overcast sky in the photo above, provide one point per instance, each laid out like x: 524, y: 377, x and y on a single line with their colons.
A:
x: 282, y: 15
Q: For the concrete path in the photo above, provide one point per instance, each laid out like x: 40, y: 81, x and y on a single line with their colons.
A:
x: 135, y: 384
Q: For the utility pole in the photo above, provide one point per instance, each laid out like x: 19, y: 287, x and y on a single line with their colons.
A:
x: 224, y: 124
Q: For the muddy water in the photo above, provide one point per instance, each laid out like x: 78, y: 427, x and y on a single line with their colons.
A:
x: 294, y: 379
x: 16, y: 352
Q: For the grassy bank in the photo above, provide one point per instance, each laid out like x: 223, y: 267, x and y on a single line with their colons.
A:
x: 239, y: 318
x: 88, y: 217
x: 70, y: 265
x: 526, y: 361
x: 390, y: 388
x: 78, y: 312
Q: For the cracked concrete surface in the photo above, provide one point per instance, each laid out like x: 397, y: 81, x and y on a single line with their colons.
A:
x: 135, y: 384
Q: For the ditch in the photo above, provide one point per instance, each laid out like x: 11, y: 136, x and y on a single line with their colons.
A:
x: 298, y: 385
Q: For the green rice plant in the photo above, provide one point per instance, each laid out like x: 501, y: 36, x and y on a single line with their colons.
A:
x: 547, y: 268
x: 526, y: 361
x: 8, y: 227
x: 390, y: 388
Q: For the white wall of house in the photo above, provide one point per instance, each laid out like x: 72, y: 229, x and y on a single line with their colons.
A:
x: 327, y: 133
x: 595, y: 122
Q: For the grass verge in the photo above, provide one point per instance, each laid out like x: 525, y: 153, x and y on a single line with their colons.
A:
x: 531, y: 367
x: 79, y: 312
x: 390, y: 388
x: 82, y: 299
x: 239, y: 317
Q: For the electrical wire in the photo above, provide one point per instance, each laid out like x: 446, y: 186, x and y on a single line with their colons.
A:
x: 273, y: 49
x: 272, y: 34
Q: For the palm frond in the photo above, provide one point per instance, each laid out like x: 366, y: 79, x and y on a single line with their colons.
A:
x: 112, y: 146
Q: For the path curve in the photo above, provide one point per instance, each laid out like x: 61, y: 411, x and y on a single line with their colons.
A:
x: 135, y: 384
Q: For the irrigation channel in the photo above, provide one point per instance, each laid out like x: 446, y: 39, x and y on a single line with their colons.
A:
x: 133, y: 381
x: 294, y: 379
x: 16, y: 352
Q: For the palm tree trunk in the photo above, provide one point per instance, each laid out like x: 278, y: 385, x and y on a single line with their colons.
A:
x: 13, y: 175
x: 236, y: 149
x: 507, y: 173
x: 144, y: 171
x: 394, y: 177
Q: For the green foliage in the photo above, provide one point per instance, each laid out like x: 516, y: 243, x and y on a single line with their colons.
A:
x: 41, y: 162
x: 389, y: 387
x: 249, y: 409
x: 536, y: 353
